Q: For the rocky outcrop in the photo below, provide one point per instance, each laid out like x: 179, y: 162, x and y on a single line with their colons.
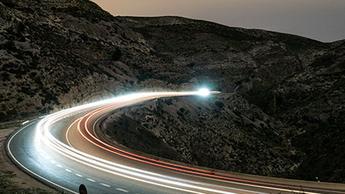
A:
x: 225, y: 132
x: 55, y: 53
x: 312, y: 102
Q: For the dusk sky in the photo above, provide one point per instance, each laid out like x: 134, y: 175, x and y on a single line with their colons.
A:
x: 323, y: 20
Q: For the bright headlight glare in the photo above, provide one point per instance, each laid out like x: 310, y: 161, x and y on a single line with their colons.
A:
x: 204, y: 92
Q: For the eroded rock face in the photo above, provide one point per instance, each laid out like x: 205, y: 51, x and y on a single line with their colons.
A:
x: 282, y: 108
x: 297, y: 82
x: 55, y: 53
x: 313, y: 102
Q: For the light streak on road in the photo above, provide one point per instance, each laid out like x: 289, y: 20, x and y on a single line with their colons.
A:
x: 204, y: 92
x: 44, y: 136
x: 168, y: 175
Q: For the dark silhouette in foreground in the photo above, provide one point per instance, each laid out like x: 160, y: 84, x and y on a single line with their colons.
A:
x: 82, y: 189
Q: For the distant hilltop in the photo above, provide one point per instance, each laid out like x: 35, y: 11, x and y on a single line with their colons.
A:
x: 58, y: 4
x: 61, y: 3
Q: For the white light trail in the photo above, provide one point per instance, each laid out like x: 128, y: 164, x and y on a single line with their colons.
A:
x: 204, y: 92
x: 44, y: 136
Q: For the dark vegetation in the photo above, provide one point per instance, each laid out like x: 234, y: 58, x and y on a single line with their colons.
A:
x: 7, y: 186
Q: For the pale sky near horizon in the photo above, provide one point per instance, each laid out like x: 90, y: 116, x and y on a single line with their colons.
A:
x: 322, y: 20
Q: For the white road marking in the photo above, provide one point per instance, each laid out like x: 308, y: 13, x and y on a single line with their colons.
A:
x: 59, y: 165
x: 52, y: 161
x: 78, y: 175
x: 23, y: 123
x: 33, y: 173
x: 123, y: 190
x: 103, y: 184
x: 68, y: 170
x: 91, y: 180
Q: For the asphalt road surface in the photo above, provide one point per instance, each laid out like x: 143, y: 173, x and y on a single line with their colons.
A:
x: 64, y: 150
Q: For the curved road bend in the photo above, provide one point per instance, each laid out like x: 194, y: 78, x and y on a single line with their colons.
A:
x: 64, y: 151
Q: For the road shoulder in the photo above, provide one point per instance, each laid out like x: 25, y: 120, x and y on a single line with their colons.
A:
x: 20, y: 180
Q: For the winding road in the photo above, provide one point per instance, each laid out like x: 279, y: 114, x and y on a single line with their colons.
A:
x: 64, y: 150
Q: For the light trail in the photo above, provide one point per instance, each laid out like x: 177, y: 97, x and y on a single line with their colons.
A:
x: 179, y: 168
x: 170, y: 175
x: 44, y: 135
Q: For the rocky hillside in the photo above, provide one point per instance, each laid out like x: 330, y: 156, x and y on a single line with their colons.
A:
x: 282, y: 108
x: 55, y: 53
x: 225, y: 132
